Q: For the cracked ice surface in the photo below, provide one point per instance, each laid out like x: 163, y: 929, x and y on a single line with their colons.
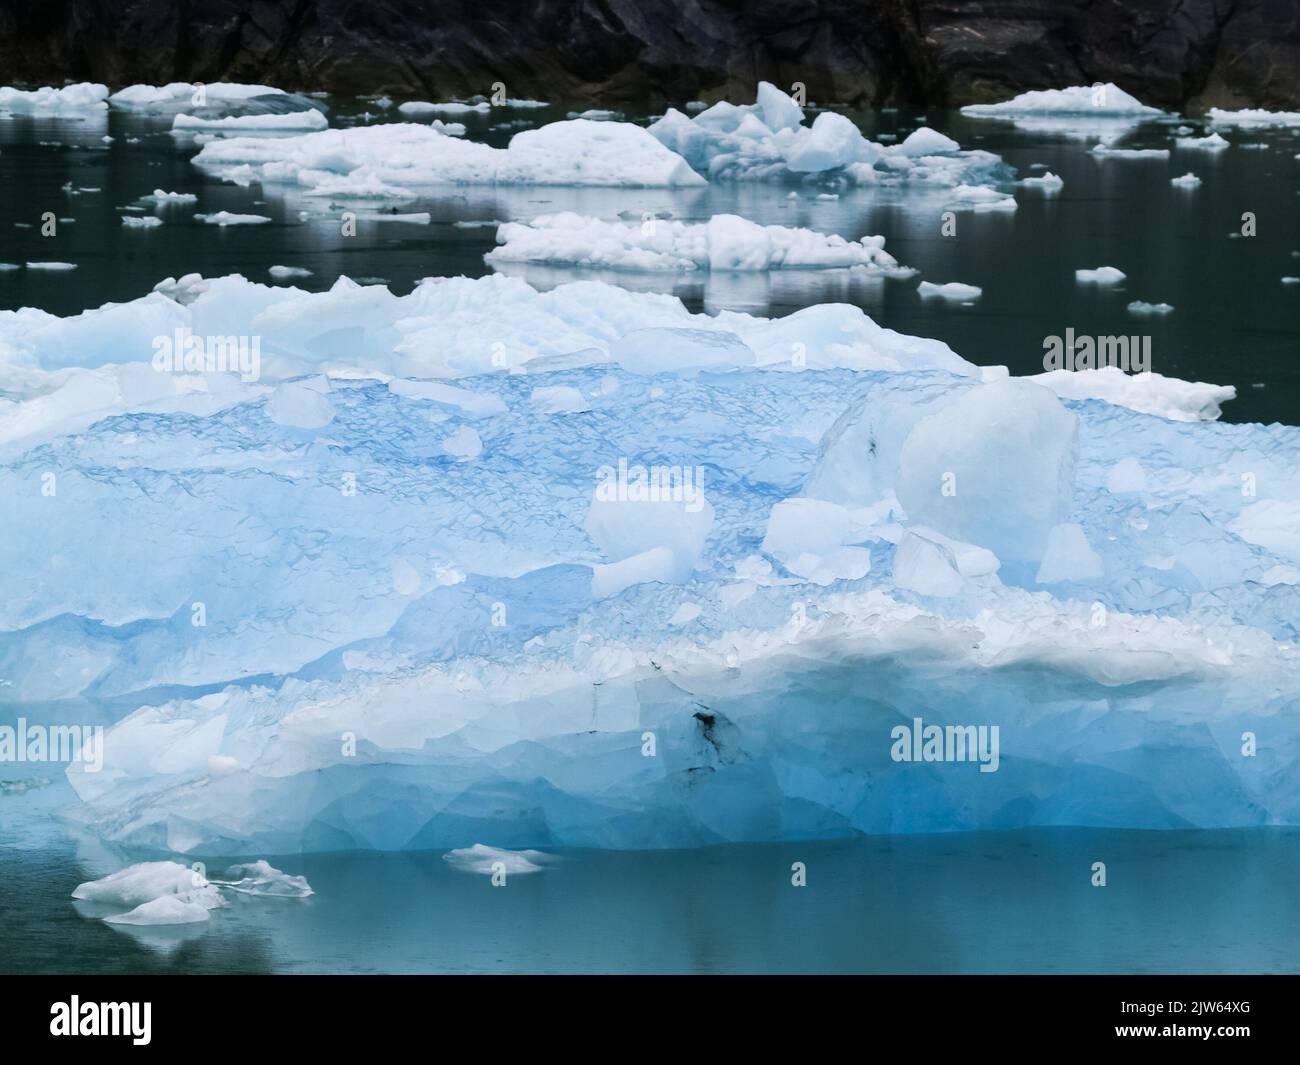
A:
x: 411, y: 642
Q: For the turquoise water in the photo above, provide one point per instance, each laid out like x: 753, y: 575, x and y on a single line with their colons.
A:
x: 986, y: 902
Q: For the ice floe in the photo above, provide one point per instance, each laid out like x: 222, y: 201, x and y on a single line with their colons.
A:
x: 725, y: 242
x: 407, y: 155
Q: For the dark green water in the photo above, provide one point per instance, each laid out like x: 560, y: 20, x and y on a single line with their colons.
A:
x: 1235, y: 322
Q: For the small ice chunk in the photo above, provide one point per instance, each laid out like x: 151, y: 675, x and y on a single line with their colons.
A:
x: 1142, y: 309
x: 1068, y: 557
x: 226, y: 218
x: 262, y: 878
x: 486, y: 860
x: 145, y: 222
x: 168, y: 910
x: 954, y: 291
x: 1103, y: 275
x: 281, y: 273
x: 1187, y: 181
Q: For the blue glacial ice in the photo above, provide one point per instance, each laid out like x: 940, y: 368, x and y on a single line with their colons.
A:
x: 581, y: 568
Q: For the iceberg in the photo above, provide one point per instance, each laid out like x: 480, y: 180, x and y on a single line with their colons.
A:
x: 50, y: 102
x: 289, y: 120
x: 1105, y: 99
x: 767, y: 140
x: 1252, y: 117
x: 725, y: 242
x: 407, y: 155
x: 680, y: 597
x: 485, y: 860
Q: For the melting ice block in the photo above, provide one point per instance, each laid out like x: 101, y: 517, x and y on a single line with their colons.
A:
x: 995, y: 467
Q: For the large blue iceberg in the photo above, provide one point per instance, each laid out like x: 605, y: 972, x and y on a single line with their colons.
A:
x: 581, y: 568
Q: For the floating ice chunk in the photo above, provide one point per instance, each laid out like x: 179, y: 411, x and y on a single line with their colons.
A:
x: 69, y: 100
x: 727, y: 141
x: 463, y: 444
x: 145, y: 222
x: 226, y: 218
x: 953, y: 290
x: 168, y: 910
x: 179, y: 95
x: 261, y: 878
x: 980, y: 198
x: 926, y: 141
x: 1047, y: 181
x: 294, y: 121
x: 673, y: 350
x: 1211, y: 143
x: 725, y: 242
x: 408, y: 155
x: 1076, y: 101
x: 446, y: 107
x: 148, y: 881
x: 1187, y: 181
x: 160, y: 196
x: 778, y: 110
x: 1248, y: 116
x: 1150, y: 393
x: 1143, y: 309
x: 832, y: 142
x: 301, y: 404
x: 1068, y: 557
x: 487, y: 861
x: 283, y: 273
x: 55, y: 266
x: 1105, y: 151
x: 994, y: 467
x: 1102, y: 275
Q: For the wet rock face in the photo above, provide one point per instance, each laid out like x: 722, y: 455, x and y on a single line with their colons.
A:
x: 1185, y: 54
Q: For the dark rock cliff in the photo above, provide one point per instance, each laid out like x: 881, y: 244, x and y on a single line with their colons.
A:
x: 1186, y: 54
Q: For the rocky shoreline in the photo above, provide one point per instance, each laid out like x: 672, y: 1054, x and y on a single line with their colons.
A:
x: 1181, y: 54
